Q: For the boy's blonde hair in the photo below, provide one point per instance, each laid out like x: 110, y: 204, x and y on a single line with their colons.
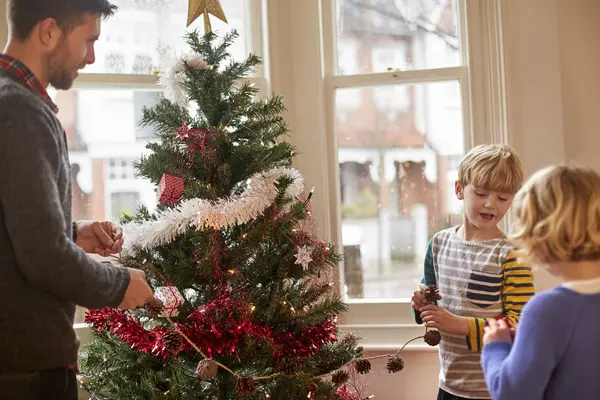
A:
x: 558, y: 215
x: 493, y: 167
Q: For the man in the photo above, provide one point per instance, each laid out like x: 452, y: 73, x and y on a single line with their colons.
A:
x: 43, y: 271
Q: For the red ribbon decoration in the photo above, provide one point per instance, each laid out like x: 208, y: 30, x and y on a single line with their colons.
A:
x: 217, y: 329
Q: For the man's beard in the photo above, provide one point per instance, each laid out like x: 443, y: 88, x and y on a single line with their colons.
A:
x: 59, y: 76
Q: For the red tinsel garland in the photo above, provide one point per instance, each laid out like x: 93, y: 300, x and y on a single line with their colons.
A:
x: 130, y: 331
x: 197, y: 141
x: 216, y: 328
x: 306, y: 344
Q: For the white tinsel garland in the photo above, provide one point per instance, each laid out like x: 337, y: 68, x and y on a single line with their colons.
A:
x: 172, y: 76
x: 202, y: 213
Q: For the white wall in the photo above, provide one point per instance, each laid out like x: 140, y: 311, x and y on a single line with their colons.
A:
x: 533, y: 80
x: 580, y: 65
x: 534, y: 86
x: 553, y: 84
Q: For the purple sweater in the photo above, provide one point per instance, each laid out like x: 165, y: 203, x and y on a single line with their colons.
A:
x: 556, y: 354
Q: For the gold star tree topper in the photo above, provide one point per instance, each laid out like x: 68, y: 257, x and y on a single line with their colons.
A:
x: 198, y: 7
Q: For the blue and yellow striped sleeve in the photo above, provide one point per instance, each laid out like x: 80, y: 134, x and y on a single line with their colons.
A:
x: 475, y: 338
x: 517, y: 289
x: 428, y: 276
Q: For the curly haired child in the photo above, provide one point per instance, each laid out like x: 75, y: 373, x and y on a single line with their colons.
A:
x: 554, y: 354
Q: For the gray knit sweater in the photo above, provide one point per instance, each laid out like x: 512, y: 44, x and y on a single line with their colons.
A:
x: 43, y: 274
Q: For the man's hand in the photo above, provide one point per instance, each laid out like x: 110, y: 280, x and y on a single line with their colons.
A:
x: 498, y: 330
x: 442, y: 319
x: 138, y: 292
x: 103, y: 238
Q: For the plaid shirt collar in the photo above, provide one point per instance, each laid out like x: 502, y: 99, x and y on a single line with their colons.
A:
x: 19, y: 70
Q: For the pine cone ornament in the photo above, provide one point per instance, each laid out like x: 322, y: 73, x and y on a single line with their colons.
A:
x: 350, y: 338
x: 431, y: 293
x: 154, y: 307
x: 289, y: 366
x: 207, y: 370
x: 395, y: 364
x: 245, y: 386
x: 363, y: 366
x: 173, y: 341
x: 433, y: 337
x: 340, y: 377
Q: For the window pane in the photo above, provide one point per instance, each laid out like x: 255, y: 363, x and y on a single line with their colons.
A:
x: 102, y: 152
x: 138, y: 37
x: 399, y: 148
x: 124, y: 203
x: 377, y: 35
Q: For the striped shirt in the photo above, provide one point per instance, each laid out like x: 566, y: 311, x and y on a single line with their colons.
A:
x: 479, y: 280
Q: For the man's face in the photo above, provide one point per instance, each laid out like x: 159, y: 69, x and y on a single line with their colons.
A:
x: 73, y: 51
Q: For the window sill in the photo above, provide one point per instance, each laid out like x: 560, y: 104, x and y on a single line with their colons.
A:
x: 386, y: 336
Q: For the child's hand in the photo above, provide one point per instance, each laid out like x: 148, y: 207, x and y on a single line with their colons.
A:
x: 442, y: 319
x: 498, y: 330
x: 418, y: 300
x: 427, y: 294
x: 513, y: 331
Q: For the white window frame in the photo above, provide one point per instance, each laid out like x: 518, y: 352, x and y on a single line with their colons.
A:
x: 310, y: 98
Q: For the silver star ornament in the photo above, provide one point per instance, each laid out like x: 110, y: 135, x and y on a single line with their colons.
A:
x: 303, y: 256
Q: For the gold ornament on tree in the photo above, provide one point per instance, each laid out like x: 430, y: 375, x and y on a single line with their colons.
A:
x: 198, y: 7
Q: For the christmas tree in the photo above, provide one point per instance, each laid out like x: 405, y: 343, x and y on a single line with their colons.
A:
x: 244, y: 307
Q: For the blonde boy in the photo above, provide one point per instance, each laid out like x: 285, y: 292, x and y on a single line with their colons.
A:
x: 475, y: 269
x: 553, y: 358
